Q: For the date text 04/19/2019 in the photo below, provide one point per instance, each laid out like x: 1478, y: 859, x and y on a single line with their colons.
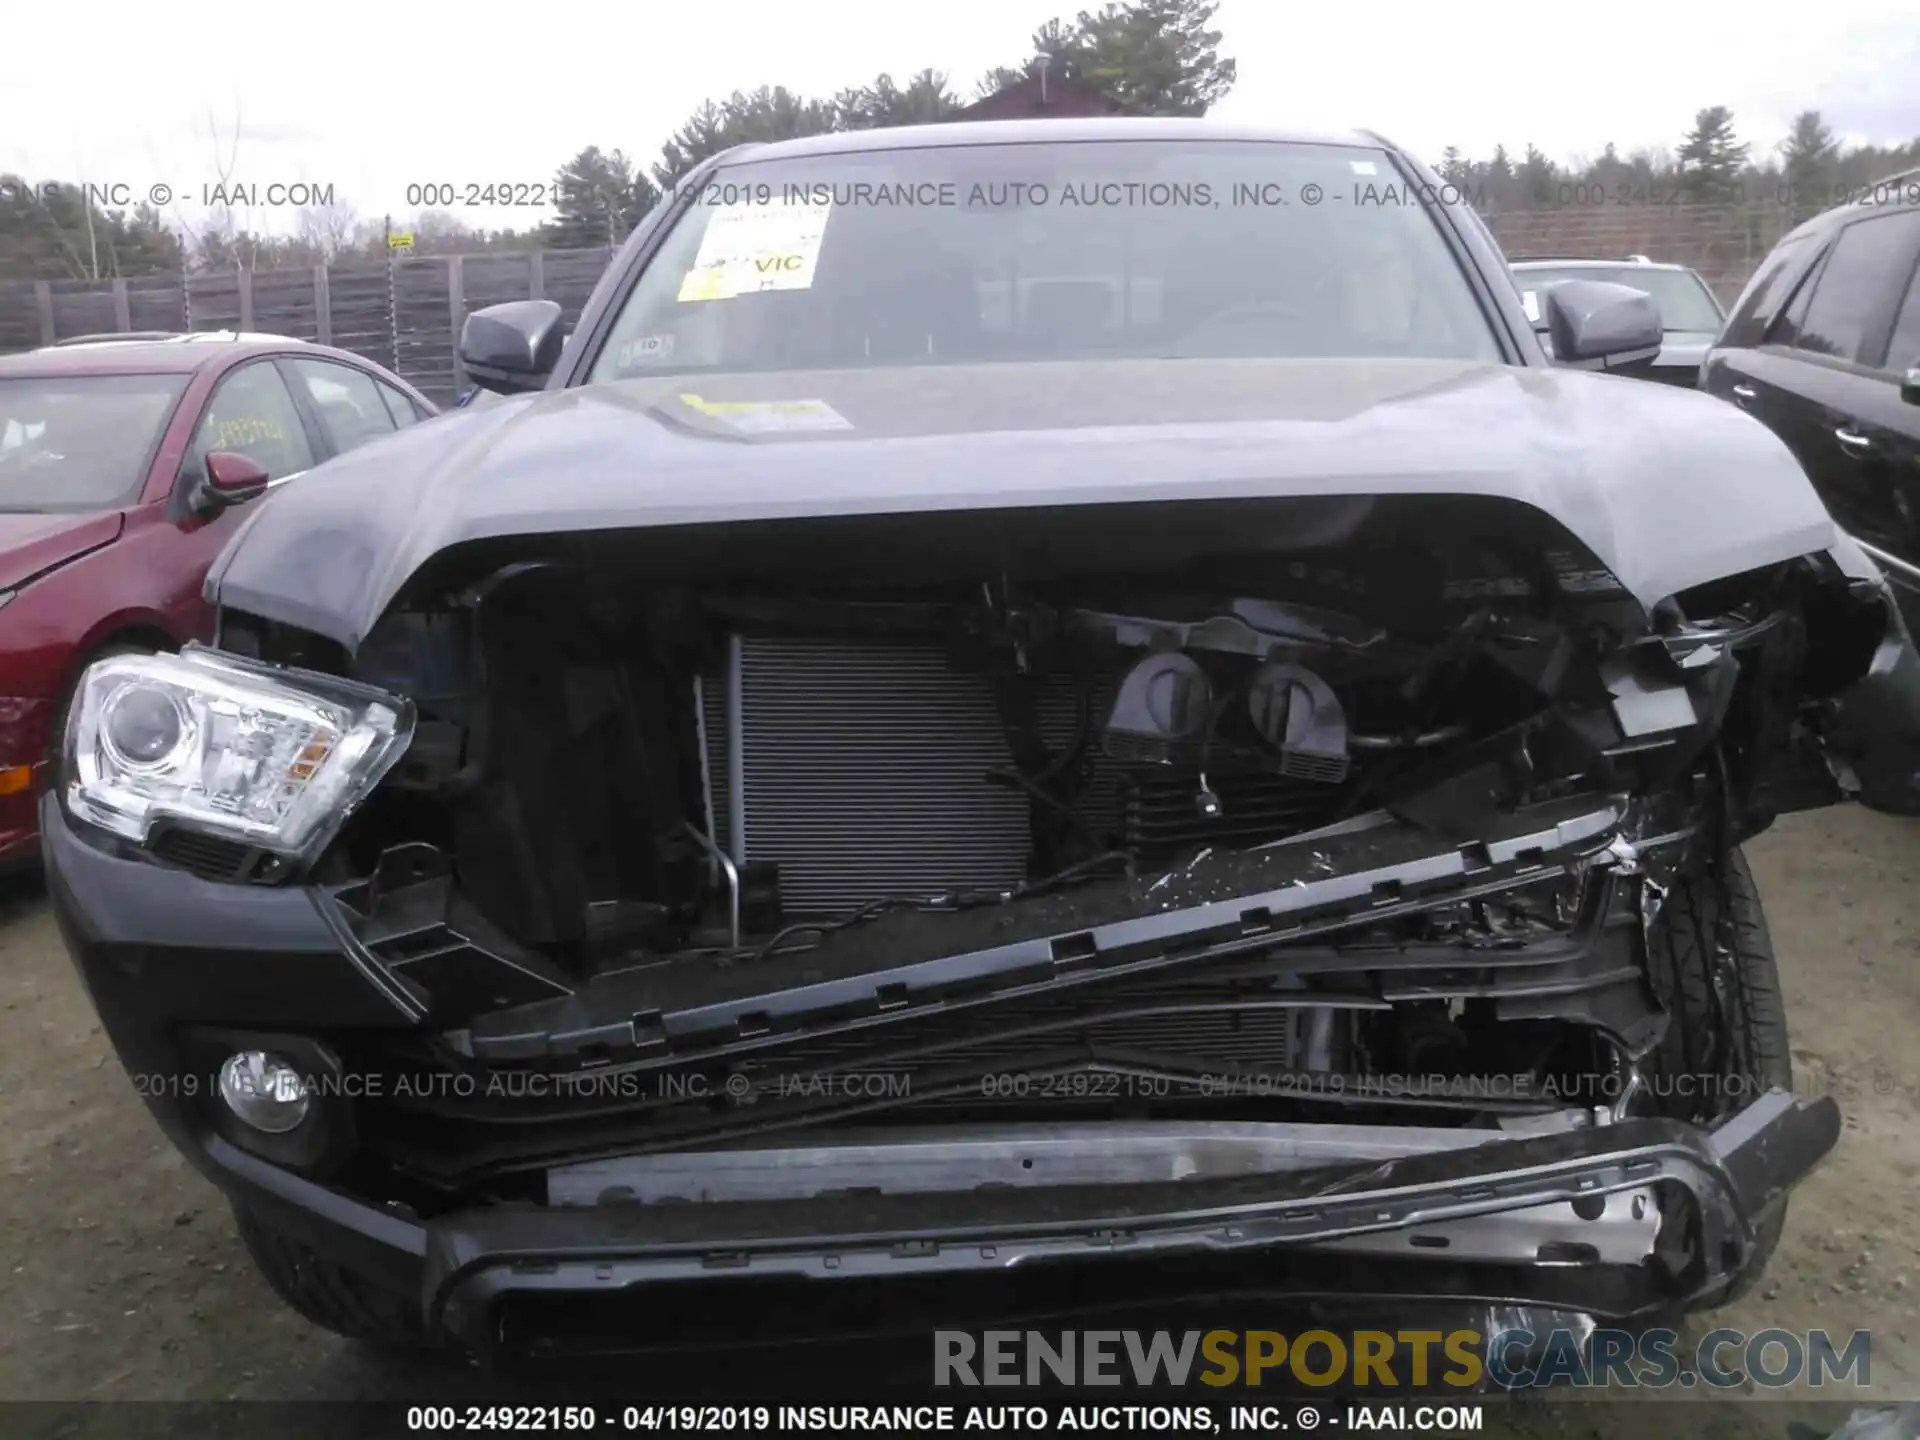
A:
x: 587, y: 1419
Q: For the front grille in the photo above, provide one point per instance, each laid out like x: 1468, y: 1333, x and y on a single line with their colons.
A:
x: 861, y: 770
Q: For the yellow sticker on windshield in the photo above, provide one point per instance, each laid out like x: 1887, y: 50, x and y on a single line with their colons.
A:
x: 247, y: 430
x: 753, y: 247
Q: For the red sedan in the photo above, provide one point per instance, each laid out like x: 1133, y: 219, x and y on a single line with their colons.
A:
x: 122, y: 463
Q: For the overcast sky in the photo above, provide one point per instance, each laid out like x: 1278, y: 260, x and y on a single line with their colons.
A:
x: 370, y: 98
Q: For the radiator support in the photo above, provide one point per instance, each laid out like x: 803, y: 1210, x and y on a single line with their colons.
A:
x: 859, y: 769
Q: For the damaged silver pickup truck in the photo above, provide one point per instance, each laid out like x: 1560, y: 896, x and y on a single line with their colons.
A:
x: 1011, y: 705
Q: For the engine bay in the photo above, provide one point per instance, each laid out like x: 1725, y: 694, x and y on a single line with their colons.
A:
x: 739, y: 771
x: 992, y: 753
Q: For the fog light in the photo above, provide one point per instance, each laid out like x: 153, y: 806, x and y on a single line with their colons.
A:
x: 264, y: 1091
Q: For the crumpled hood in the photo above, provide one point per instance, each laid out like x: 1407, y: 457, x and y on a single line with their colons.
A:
x: 1667, y: 488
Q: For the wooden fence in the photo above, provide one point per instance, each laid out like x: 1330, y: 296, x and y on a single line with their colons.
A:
x: 405, y: 315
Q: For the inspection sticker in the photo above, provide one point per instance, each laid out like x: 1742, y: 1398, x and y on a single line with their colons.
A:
x: 1530, y: 302
x: 762, y: 417
x: 748, y: 248
x: 645, y: 348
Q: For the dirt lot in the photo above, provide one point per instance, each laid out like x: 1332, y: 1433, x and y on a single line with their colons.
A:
x: 120, y: 1277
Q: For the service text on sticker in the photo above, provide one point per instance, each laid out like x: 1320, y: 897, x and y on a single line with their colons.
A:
x: 754, y: 247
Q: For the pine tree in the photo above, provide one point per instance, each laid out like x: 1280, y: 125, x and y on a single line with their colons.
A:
x: 925, y: 99
x: 599, y: 197
x: 1156, y: 57
x: 1537, y: 178
x: 1710, y: 157
x: 769, y: 113
x: 1809, y: 166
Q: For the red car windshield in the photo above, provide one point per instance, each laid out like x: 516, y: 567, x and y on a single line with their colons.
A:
x: 80, y: 442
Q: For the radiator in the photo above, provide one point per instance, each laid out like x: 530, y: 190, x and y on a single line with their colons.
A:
x: 860, y: 768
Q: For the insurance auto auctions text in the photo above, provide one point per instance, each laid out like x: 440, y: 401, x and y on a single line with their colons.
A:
x: 1139, y: 1419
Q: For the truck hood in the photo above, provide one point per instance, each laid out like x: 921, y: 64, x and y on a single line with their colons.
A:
x: 31, y: 545
x: 1666, y: 488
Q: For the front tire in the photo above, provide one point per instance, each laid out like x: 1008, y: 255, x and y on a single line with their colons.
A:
x: 1711, y: 961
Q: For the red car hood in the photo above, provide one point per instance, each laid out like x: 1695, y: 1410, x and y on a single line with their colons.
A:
x: 31, y: 545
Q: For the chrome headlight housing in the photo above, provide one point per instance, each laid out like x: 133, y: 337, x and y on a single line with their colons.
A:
x: 271, y: 758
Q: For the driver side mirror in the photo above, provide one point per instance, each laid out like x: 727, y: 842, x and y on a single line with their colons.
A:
x: 512, y: 348
x: 1910, y: 386
x: 231, y: 479
x: 1596, y: 325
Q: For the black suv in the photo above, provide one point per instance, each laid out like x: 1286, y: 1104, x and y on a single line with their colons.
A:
x: 1824, y: 346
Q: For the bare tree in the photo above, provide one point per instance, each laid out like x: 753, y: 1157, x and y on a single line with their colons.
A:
x: 93, y: 243
x: 81, y: 266
x: 441, y: 232
x: 329, y: 230
x: 223, y: 235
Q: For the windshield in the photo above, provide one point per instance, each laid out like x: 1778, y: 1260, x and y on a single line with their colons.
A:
x: 1686, y: 304
x: 1079, y: 250
x: 80, y: 442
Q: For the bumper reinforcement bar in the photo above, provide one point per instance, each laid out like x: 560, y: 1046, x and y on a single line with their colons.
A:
x: 476, y: 1259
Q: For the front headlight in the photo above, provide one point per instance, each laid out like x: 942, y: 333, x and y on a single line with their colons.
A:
x: 275, y: 759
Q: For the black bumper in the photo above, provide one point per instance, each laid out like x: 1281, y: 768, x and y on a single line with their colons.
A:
x: 159, y: 950
x: 479, y: 1261
x: 473, y: 1267
x: 268, y: 959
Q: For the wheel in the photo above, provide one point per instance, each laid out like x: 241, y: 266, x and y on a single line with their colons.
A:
x: 329, y: 1295
x: 1711, y: 961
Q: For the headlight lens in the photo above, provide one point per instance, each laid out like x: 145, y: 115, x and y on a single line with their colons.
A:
x: 144, y: 725
x: 273, y: 758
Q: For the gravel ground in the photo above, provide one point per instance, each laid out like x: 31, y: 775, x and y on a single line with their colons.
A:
x: 121, y: 1279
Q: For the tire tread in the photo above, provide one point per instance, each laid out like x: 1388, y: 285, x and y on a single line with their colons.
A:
x: 1720, y: 903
